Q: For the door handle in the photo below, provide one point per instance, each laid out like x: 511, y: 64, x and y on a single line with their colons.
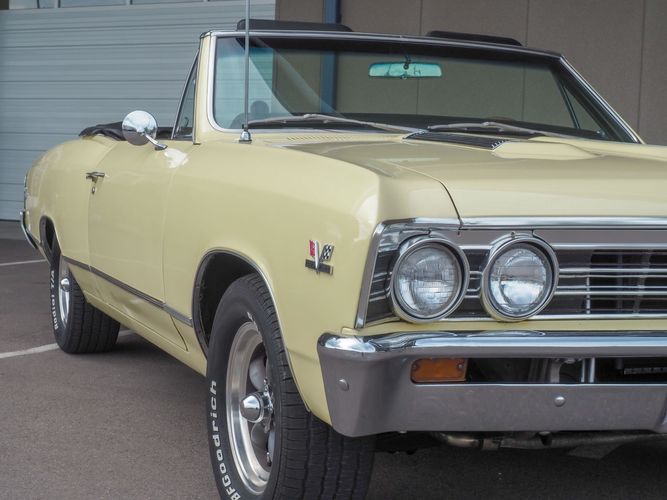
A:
x: 93, y: 176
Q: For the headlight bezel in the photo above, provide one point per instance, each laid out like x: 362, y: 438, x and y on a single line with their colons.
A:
x: 496, y: 252
x: 406, y: 249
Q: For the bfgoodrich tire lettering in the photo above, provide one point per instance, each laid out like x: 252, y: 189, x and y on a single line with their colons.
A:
x: 308, y: 459
x: 78, y: 327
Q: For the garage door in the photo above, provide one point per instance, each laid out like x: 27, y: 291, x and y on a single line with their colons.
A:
x: 62, y: 70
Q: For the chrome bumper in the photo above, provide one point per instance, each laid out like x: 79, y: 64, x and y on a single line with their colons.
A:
x: 369, y: 390
x: 27, y: 236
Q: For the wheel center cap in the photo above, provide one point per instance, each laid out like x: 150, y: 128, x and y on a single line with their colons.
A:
x: 252, y: 408
x: 257, y: 407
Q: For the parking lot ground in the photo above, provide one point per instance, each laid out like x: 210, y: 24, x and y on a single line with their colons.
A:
x: 129, y: 425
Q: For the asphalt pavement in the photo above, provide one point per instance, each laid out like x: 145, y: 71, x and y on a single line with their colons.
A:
x: 130, y: 425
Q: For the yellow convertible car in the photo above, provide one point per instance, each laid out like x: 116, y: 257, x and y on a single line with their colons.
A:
x: 369, y: 242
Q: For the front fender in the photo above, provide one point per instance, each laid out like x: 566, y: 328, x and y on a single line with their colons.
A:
x: 266, y: 204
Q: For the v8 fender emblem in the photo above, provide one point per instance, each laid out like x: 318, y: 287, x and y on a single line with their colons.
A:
x: 318, y: 258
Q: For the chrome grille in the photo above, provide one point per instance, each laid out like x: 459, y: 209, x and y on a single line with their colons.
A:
x: 599, y: 282
x: 379, y: 305
x: 620, y: 281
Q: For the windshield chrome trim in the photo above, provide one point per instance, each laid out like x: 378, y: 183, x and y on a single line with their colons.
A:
x: 600, y: 100
x: 193, y: 68
x: 213, y: 48
x: 352, y: 35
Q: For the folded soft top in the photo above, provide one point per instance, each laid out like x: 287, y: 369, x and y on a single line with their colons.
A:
x: 115, y: 131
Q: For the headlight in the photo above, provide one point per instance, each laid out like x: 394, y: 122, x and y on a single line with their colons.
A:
x: 428, y: 280
x: 519, y: 279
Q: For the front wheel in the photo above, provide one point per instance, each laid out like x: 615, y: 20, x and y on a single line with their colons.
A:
x: 263, y: 442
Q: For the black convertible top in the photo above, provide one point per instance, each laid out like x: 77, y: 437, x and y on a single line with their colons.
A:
x: 115, y: 131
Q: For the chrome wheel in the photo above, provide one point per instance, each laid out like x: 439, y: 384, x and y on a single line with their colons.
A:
x: 63, y: 290
x: 249, y: 407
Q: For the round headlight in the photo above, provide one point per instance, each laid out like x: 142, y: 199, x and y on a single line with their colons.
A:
x: 519, y: 280
x: 428, y: 280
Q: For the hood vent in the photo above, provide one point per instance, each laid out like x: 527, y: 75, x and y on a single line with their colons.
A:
x: 464, y: 140
x: 319, y: 138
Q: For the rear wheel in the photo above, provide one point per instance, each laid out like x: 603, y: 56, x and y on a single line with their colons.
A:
x: 77, y: 326
x: 263, y: 441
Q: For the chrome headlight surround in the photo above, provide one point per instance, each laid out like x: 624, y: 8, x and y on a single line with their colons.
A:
x: 500, y: 249
x: 400, y: 308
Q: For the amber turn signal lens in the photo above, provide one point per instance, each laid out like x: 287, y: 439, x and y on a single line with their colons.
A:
x: 435, y: 370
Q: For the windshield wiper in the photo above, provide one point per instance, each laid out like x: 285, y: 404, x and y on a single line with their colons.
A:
x: 492, y: 128
x: 325, y: 119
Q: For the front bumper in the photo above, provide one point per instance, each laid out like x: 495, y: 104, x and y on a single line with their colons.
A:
x: 369, y: 389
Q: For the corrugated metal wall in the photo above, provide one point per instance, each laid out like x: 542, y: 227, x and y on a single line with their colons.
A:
x: 62, y: 70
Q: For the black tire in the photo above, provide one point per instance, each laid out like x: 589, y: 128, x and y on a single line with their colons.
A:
x: 310, y: 460
x: 83, y: 328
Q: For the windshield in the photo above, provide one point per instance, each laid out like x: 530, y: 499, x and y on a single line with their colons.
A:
x: 403, y: 84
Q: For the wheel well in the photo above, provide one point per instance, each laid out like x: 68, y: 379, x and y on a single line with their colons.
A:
x: 216, y: 272
x: 47, y: 235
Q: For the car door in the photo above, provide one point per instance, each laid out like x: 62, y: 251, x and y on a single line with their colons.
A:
x: 127, y: 208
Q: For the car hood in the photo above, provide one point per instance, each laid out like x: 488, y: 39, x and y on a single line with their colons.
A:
x: 537, y: 177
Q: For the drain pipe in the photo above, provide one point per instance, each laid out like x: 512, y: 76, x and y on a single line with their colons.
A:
x: 332, y: 11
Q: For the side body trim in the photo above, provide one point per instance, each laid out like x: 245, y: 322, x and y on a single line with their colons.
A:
x: 27, y: 236
x: 182, y: 318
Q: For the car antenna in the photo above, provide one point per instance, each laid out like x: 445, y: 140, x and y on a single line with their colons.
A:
x: 245, y: 133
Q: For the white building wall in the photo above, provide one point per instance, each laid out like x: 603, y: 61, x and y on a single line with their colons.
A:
x: 62, y: 70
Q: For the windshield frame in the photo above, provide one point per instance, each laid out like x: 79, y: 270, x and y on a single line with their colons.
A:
x: 552, y: 57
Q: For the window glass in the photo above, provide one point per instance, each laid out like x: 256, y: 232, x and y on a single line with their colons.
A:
x: 422, y: 85
x: 186, y: 115
x: 583, y: 117
x: 229, y: 87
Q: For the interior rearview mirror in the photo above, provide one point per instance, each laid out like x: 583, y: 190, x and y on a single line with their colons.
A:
x: 405, y: 69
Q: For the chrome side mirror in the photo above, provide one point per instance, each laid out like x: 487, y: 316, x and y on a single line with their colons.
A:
x: 140, y: 128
